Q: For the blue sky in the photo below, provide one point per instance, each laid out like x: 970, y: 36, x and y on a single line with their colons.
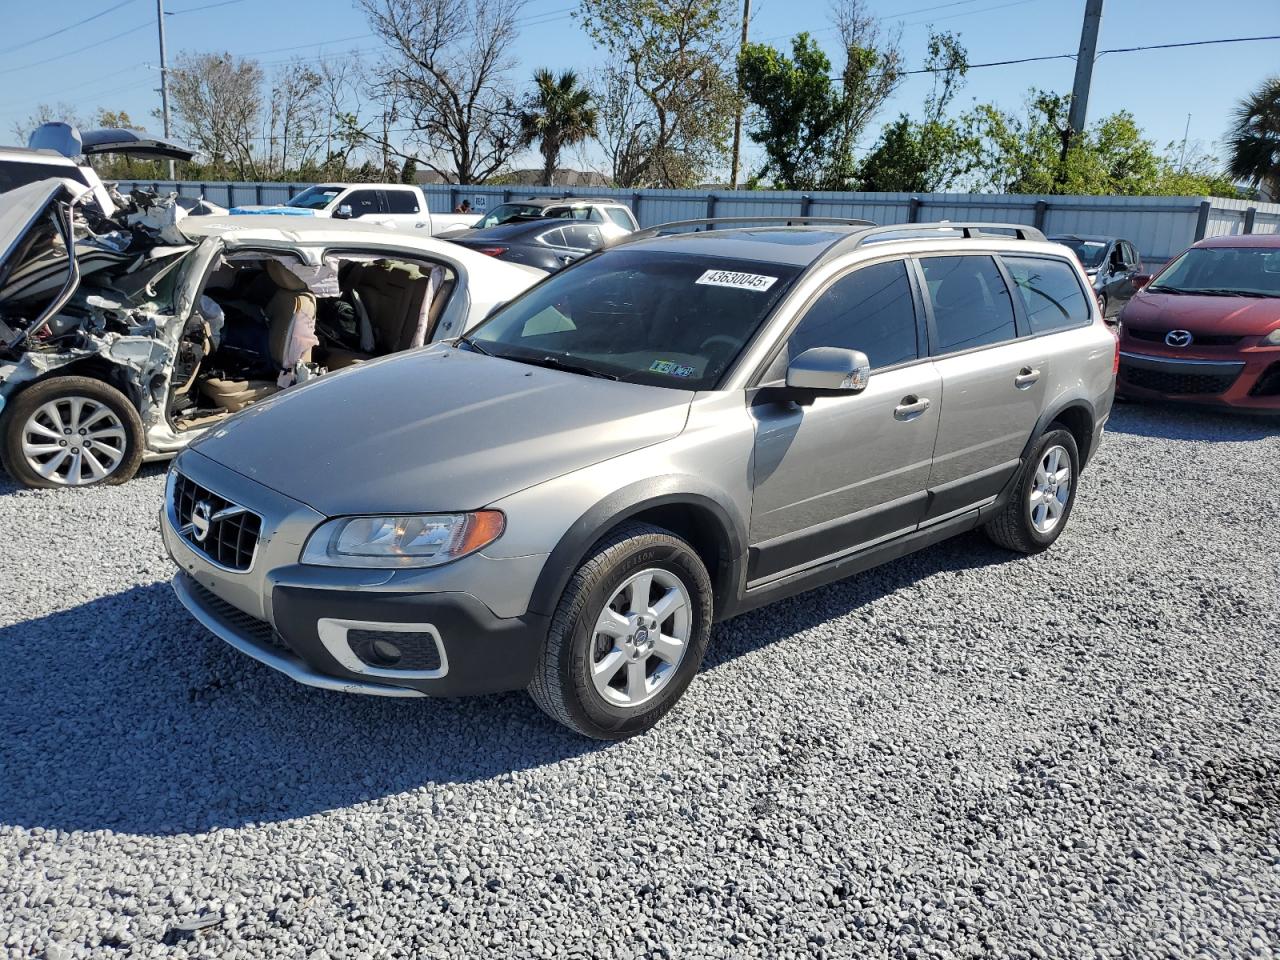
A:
x: 1160, y: 87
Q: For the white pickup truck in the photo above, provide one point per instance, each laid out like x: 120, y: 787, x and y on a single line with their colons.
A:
x: 397, y: 205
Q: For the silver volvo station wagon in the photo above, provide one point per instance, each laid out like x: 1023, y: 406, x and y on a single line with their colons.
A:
x: 669, y: 433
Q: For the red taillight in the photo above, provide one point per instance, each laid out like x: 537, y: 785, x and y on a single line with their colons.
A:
x: 493, y: 251
x: 1115, y: 364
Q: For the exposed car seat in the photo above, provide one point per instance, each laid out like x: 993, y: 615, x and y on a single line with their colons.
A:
x: 290, y: 299
x: 392, y: 293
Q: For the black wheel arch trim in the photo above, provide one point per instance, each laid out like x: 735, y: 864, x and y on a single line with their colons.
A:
x: 1054, y: 413
x: 729, y: 527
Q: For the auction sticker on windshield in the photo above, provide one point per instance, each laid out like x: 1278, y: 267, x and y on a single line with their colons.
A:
x: 739, y: 281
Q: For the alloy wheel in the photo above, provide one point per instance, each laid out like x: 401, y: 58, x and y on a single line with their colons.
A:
x: 1050, y: 489
x: 74, y: 441
x: 641, y: 637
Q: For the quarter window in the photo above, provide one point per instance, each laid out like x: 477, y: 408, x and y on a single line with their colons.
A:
x: 870, y: 310
x: 1050, y: 293
x: 621, y: 217
x: 971, y: 305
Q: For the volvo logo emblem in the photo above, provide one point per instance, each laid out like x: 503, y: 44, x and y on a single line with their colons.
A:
x: 1178, y: 338
x: 201, y: 517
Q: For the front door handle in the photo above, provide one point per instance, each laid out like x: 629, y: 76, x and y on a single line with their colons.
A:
x: 1026, y: 377
x: 910, y: 407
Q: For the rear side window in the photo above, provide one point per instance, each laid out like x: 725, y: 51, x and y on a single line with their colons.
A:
x: 1050, y: 293
x: 971, y: 305
x: 554, y: 237
x: 584, y: 236
x: 14, y: 174
x: 870, y: 310
x: 620, y: 217
x: 402, y: 201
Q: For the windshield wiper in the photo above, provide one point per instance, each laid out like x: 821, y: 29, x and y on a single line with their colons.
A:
x: 555, y: 363
x: 1156, y: 288
x: 1224, y: 292
x: 471, y: 344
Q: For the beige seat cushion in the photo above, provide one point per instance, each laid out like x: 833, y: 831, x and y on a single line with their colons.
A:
x: 235, y: 395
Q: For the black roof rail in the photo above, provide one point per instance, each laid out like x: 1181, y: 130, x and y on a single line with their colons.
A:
x: 706, y: 223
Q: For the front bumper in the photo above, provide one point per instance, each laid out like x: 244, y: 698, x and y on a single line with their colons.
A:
x: 1247, y: 380
x: 318, y: 625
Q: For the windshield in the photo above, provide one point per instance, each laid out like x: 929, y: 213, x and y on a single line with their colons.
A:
x: 314, y: 198
x: 508, y: 211
x: 1089, y: 252
x: 1223, y: 271
x: 664, y: 319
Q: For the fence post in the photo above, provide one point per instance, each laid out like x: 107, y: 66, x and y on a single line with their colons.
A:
x: 1202, y: 219
x: 1042, y: 208
x: 506, y: 195
x: 913, y: 210
x: 635, y: 206
x: 1249, y: 216
x: 806, y: 202
x: 453, y: 198
x: 711, y: 209
x: 257, y: 194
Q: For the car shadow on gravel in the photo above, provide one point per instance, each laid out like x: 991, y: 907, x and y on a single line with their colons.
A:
x: 1190, y: 423
x: 8, y: 485
x: 122, y: 714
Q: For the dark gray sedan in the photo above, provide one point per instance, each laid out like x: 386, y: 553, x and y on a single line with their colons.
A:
x: 536, y: 241
x: 1112, y: 265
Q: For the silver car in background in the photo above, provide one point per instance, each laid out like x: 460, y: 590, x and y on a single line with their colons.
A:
x: 666, y: 434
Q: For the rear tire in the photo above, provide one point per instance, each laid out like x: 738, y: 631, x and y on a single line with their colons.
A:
x: 71, y: 432
x: 628, y: 635
x: 1040, y: 505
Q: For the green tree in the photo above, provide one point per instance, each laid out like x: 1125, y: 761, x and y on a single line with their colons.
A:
x: 930, y: 154
x: 1112, y: 157
x: 557, y: 114
x: 1253, y: 141
x: 796, y: 111
x: 672, y: 56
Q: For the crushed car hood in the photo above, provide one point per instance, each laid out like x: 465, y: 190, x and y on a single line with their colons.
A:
x: 438, y: 430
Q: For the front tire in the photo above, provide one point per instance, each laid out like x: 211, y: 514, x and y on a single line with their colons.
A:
x: 1037, y: 512
x: 71, y: 432
x: 628, y: 635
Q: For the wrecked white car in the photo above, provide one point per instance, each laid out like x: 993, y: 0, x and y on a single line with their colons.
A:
x: 124, y: 338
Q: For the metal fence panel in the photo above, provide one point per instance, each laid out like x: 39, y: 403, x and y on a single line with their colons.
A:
x: 1160, y: 227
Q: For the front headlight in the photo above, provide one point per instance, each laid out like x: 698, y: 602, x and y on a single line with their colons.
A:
x: 422, y: 540
x: 1272, y: 339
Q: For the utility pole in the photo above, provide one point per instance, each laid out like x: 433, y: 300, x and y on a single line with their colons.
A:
x: 164, y: 79
x: 737, y: 119
x: 1084, y: 66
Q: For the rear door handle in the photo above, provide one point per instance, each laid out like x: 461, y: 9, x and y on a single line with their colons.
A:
x: 910, y: 407
x: 1026, y: 377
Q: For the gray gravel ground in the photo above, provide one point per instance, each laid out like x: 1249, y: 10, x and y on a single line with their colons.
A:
x: 960, y: 754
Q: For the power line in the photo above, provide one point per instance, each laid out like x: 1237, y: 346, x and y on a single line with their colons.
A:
x: 70, y: 26
x: 87, y: 46
x: 207, y: 6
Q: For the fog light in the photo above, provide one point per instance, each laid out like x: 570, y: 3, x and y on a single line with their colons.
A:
x: 387, y: 653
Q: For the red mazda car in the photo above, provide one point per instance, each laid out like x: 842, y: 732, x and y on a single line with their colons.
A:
x: 1206, y: 330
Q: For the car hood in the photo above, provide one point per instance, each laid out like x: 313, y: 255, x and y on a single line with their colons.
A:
x: 438, y: 430
x: 1230, y: 316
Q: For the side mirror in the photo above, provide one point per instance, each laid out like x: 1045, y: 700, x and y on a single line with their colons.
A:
x: 343, y: 212
x: 825, y: 371
x: 1140, y: 280
x: 495, y: 308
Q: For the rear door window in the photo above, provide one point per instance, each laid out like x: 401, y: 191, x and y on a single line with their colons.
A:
x: 584, y: 236
x: 1050, y: 292
x: 621, y: 217
x: 971, y: 304
x: 871, y: 310
x: 402, y: 201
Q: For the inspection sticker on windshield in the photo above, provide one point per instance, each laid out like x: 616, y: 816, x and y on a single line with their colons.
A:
x: 740, y: 281
x: 671, y: 368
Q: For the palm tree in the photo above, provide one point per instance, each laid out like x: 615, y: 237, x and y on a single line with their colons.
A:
x: 558, y: 114
x: 1254, y: 139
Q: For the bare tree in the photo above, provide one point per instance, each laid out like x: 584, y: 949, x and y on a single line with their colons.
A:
x: 45, y: 113
x: 446, y: 68
x: 296, y: 127
x: 873, y: 67
x: 217, y: 104
x: 625, y: 128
